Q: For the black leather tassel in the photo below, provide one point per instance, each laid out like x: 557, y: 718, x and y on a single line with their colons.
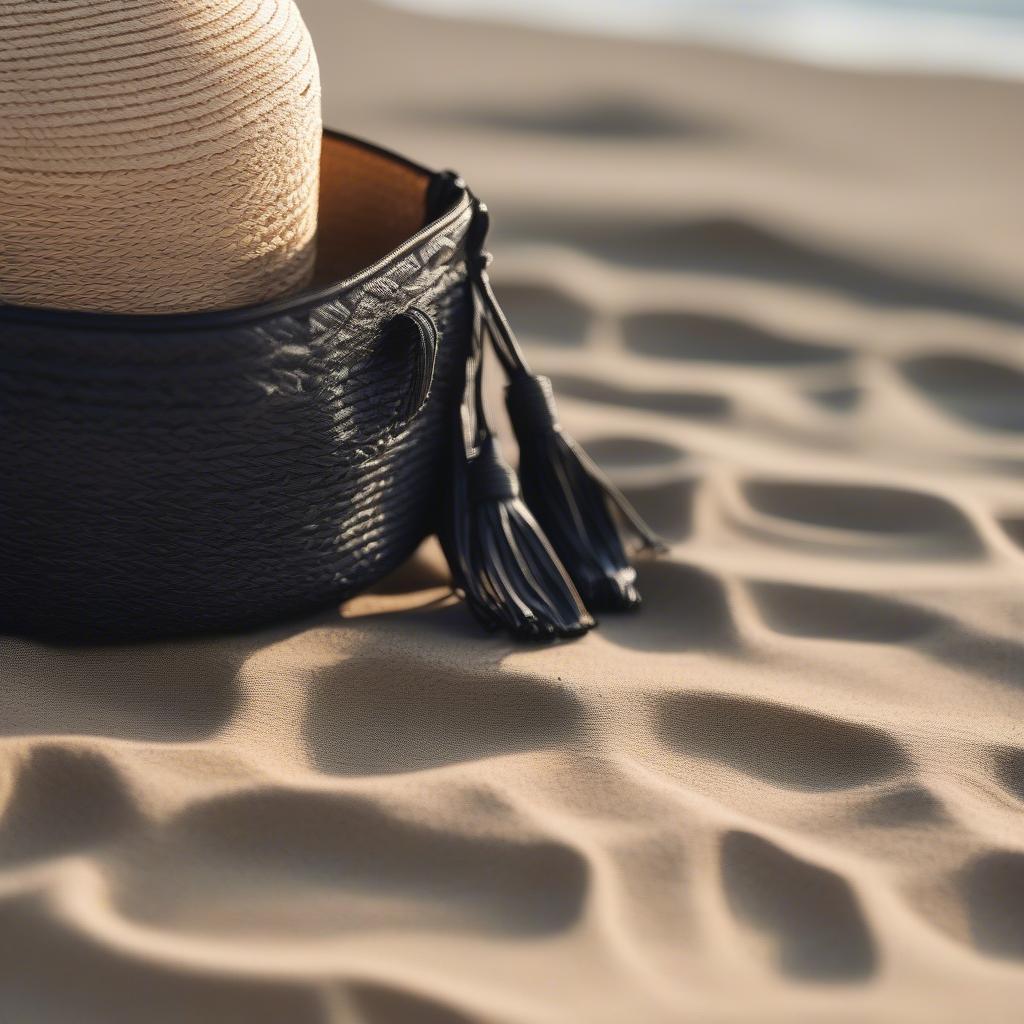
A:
x: 586, y: 518
x: 501, y: 562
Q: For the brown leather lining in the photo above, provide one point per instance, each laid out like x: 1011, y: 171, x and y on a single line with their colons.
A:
x: 369, y: 204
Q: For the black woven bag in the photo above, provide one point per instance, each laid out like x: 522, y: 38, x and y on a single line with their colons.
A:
x: 179, y: 473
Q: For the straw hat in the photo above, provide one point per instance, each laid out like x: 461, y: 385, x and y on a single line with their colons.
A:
x: 156, y: 155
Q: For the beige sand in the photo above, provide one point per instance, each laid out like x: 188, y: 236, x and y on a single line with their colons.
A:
x: 783, y: 306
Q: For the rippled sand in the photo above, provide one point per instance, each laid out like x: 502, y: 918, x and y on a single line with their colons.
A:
x: 783, y: 308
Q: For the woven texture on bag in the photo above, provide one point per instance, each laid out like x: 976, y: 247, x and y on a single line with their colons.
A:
x: 157, y: 155
x: 192, y: 480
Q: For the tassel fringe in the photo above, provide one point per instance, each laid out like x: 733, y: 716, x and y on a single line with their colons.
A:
x: 587, y: 519
x: 503, y: 565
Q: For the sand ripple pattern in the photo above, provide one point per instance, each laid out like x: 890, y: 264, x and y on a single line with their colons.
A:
x: 156, y: 155
x: 790, y: 790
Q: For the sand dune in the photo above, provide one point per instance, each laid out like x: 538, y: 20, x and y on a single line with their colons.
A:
x: 782, y: 307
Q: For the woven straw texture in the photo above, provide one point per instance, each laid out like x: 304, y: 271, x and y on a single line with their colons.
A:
x: 186, y: 480
x: 156, y: 155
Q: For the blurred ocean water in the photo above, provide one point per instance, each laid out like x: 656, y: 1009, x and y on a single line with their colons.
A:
x: 983, y: 37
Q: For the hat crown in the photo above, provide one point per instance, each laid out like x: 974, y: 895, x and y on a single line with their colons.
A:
x: 160, y: 159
